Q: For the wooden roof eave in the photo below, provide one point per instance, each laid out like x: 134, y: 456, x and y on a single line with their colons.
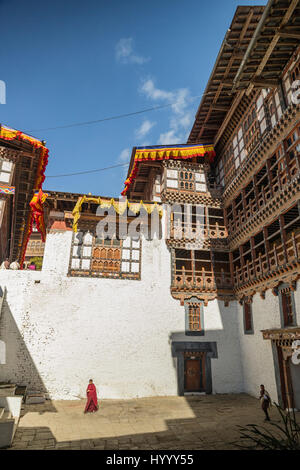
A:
x: 220, y: 87
x: 268, y: 51
x: 141, y: 182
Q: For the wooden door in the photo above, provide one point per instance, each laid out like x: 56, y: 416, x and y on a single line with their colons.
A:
x: 285, y: 380
x: 194, y: 374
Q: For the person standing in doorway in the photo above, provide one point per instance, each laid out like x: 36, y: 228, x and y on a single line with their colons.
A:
x: 92, y: 401
x: 265, y: 401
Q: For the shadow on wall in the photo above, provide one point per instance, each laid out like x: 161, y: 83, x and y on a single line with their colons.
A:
x: 17, y: 365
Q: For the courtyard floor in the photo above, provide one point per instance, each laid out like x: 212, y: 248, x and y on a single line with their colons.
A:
x: 193, y: 422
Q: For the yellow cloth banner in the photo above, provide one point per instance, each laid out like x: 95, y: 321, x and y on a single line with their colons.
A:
x: 119, y: 206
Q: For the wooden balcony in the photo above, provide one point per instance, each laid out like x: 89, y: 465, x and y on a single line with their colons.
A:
x: 197, y: 231
x: 201, y: 280
x: 282, y: 256
x: 263, y: 197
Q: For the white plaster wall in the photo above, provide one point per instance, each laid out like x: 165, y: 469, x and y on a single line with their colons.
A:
x: 61, y: 331
x: 256, y: 352
x: 221, y: 325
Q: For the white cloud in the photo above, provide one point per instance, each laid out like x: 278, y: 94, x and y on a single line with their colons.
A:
x: 169, y: 138
x: 154, y: 93
x: 144, y: 129
x: 180, y: 98
x: 124, y: 156
x: 125, y: 53
x: 182, y: 117
x: 186, y: 120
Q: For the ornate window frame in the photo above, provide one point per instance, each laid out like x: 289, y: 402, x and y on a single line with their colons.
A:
x: 286, y: 289
x: 81, y: 256
x: 194, y: 302
x: 186, y: 178
x: 247, y: 310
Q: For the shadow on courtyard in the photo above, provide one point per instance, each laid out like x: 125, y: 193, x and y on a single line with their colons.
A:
x: 212, y: 425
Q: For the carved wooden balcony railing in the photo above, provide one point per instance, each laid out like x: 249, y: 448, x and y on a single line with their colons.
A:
x: 282, y: 255
x: 197, y: 230
x: 264, y: 196
x: 201, y: 280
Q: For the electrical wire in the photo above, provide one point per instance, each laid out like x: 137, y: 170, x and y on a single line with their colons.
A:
x: 88, y: 171
x: 118, y: 116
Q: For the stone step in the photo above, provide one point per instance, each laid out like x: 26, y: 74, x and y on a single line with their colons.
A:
x: 34, y: 397
x: 7, y: 390
x: 1, y: 412
x: 6, y: 415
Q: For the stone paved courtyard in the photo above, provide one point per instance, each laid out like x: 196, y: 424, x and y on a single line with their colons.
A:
x: 195, y: 422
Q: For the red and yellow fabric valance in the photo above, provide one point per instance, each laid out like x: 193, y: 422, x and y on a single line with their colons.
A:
x: 36, y: 214
x: 6, y: 133
x: 119, y: 207
x: 176, y: 152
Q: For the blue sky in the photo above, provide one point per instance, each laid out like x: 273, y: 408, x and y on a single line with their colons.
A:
x: 73, y: 61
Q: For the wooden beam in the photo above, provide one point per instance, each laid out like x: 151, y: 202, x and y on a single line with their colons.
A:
x: 228, y: 115
x: 211, y: 126
x: 227, y: 83
x: 288, y: 33
x: 264, y: 82
x: 139, y: 179
x: 216, y: 107
x: 273, y: 42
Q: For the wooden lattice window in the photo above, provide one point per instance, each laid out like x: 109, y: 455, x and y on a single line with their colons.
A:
x: 292, y: 151
x: 274, y: 106
x: 220, y: 173
x: 186, y: 180
x: 287, y: 308
x: 106, y: 255
x: 251, y: 130
x: 113, y: 258
x: 248, y: 318
x: 194, y: 317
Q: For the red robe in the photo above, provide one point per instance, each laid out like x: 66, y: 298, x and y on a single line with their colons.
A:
x: 92, y: 402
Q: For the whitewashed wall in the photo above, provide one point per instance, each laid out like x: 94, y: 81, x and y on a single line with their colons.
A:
x: 256, y: 353
x: 61, y: 331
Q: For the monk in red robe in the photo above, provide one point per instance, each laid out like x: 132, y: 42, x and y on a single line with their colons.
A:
x: 92, y: 402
